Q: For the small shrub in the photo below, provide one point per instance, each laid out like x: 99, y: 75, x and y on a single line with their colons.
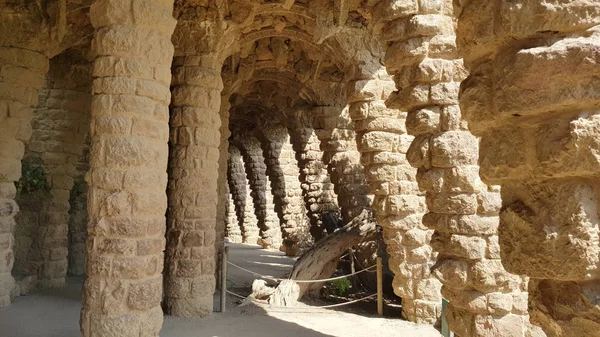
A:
x: 33, y: 179
x: 341, y: 286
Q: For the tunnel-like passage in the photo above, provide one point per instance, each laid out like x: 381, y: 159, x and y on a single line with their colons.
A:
x: 136, y: 137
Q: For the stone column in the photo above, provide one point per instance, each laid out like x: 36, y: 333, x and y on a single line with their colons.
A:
x: 241, y: 196
x: 533, y: 98
x: 22, y: 75
x: 128, y: 161
x: 319, y: 194
x: 259, y: 185
x: 399, y: 204
x: 284, y: 174
x: 485, y: 300
x: 193, y: 167
x: 233, y: 232
x: 337, y: 138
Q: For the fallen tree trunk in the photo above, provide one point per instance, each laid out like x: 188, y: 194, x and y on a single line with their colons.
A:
x: 321, y: 260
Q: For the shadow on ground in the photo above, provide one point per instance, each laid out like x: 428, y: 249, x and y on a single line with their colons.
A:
x: 55, y: 313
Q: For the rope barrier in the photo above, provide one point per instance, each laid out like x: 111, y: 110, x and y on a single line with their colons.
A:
x: 300, y: 281
x: 254, y: 273
x: 317, y: 306
x: 236, y: 295
x: 346, y: 303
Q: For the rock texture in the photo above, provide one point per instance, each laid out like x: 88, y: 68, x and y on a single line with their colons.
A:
x: 530, y: 98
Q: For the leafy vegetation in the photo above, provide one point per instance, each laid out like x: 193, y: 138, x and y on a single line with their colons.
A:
x: 33, y: 179
x: 341, y: 287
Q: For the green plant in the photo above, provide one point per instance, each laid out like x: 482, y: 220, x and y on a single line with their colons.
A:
x: 33, y: 179
x: 340, y: 287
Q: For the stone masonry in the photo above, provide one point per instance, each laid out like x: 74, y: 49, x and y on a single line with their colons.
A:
x: 532, y: 99
x: 22, y: 75
x: 240, y: 191
x: 128, y: 161
x: 260, y: 187
x: 284, y: 173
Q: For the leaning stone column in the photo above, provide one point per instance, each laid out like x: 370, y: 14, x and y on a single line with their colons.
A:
x: 318, y: 190
x: 533, y: 97
x: 22, y: 76
x: 485, y: 300
x: 399, y: 204
x: 128, y: 161
x: 233, y: 232
x: 244, y: 206
x: 259, y: 184
x: 193, y: 167
x: 284, y: 174
x: 337, y: 139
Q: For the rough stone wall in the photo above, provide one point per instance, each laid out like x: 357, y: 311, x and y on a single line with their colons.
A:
x: 233, y: 232
x: 244, y: 205
x: 532, y: 97
x: 128, y: 168
x: 398, y: 202
x: 485, y: 300
x: 284, y: 173
x: 260, y: 190
x: 318, y: 190
x: 22, y: 75
x: 59, y: 127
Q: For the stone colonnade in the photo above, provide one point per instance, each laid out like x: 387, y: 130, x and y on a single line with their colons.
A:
x: 530, y: 100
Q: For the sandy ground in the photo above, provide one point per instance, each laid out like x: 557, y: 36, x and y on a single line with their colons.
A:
x: 55, y: 312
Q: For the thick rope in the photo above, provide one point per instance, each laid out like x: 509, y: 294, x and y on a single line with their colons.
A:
x: 345, y: 303
x: 321, y: 306
x: 236, y: 295
x: 300, y: 281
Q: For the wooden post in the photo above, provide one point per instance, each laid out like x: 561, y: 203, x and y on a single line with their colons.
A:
x: 353, y: 279
x: 379, y: 286
x: 224, y: 279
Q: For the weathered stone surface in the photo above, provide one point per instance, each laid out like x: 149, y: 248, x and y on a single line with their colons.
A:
x: 530, y: 97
